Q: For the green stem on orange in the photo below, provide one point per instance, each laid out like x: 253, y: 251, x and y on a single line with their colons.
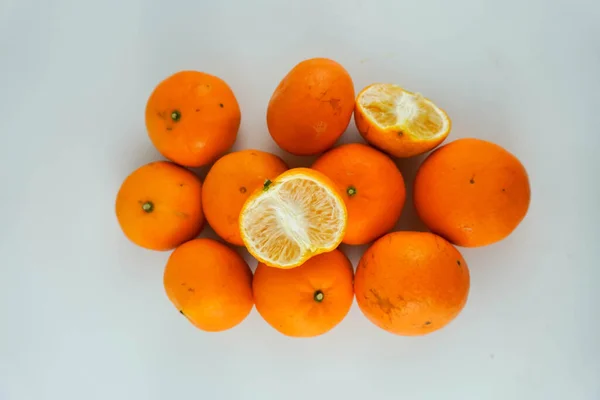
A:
x: 267, y: 184
x: 319, y: 296
x: 148, y: 206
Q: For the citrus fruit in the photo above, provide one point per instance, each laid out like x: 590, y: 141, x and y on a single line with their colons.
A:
x: 399, y: 122
x: 230, y: 181
x: 472, y: 192
x: 372, y: 188
x: 308, y: 300
x: 411, y: 283
x: 210, y: 284
x: 159, y: 206
x: 192, y: 118
x: 312, y: 106
x: 292, y: 218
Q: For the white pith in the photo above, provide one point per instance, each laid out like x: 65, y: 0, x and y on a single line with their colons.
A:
x: 308, y: 224
x: 411, y: 112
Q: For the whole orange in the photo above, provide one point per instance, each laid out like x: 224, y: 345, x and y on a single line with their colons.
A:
x: 373, y: 189
x: 312, y: 106
x: 411, y: 283
x: 210, y: 284
x: 472, y: 192
x: 192, y: 118
x: 230, y: 181
x: 159, y: 206
x: 308, y: 300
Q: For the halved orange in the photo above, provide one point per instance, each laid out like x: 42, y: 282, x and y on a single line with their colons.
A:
x: 399, y: 122
x: 296, y: 216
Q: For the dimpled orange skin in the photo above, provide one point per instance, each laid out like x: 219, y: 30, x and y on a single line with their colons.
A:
x: 472, y: 192
x: 312, y: 106
x: 192, y: 118
x: 391, y: 141
x: 372, y: 186
x: 210, y: 284
x: 172, y: 196
x: 230, y: 181
x: 288, y: 298
x: 411, y: 283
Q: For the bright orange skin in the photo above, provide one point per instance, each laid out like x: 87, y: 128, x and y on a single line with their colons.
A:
x: 210, y: 284
x: 176, y: 215
x: 411, y: 283
x: 230, y: 181
x: 285, y: 298
x: 472, y: 192
x: 372, y: 187
x: 312, y: 106
x: 207, y: 120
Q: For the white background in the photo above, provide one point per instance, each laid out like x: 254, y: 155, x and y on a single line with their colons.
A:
x: 83, y: 311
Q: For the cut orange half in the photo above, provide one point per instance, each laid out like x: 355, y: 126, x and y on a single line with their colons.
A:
x: 399, y: 122
x: 298, y: 215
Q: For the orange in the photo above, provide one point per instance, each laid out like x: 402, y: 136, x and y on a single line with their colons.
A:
x: 192, y: 118
x: 312, y: 106
x: 296, y: 216
x: 373, y: 189
x: 159, y: 206
x: 399, y: 122
x: 210, y: 284
x: 411, y: 283
x: 472, y: 192
x: 305, y: 301
x: 230, y: 181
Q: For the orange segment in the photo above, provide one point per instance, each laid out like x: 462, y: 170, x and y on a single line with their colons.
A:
x: 399, y: 122
x: 298, y: 215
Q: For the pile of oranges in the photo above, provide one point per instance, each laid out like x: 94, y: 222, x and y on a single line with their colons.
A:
x: 469, y: 193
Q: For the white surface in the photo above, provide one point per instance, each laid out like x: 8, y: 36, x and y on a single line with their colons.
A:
x: 84, y: 314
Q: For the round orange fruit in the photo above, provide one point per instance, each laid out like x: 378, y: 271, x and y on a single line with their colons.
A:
x: 312, y: 106
x: 230, y: 181
x: 192, y: 118
x: 308, y: 300
x: 399, y: 122
x: 411, y: 283
x: 210, y: 284
x: 159, y: 206
x: 472, y: 192
x: 372, y: 187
